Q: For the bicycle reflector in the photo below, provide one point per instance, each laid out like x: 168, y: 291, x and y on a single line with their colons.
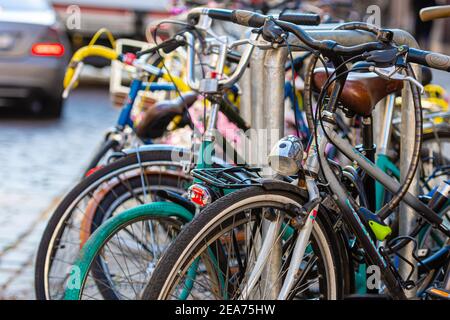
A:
x: 286, y: 156
x: 200, y: 195
x: 93, y: 170
x: 48, y: 49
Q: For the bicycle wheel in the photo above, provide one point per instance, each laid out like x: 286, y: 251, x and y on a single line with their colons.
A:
x: 107, y: 146
x: 120, y: 185
x: 214, y: 255
x: 118, y: 259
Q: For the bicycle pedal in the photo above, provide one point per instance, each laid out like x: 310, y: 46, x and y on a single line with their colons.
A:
x: 438, y: 293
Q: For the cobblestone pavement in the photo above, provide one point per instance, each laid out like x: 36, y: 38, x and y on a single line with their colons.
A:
x: 40, y: 160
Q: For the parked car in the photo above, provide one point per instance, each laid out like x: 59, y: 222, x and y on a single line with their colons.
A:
x: 34, y: 52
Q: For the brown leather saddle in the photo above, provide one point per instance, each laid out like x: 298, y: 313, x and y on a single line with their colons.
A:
x: 362, y: 91
x: 157, y: 117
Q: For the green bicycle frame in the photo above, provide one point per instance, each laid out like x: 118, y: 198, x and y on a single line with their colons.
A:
x: 387, y: 166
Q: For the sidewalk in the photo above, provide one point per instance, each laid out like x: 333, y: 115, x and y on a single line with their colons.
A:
x: 17, y: 256
x: 41, y: 161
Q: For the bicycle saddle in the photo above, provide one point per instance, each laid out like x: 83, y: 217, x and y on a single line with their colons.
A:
x: 156, y: 118
x: 362, y: 91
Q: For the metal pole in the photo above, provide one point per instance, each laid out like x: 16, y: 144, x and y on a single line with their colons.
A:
x: 257, y: 104
x: 273, y: 114
x: 257, y: 84
x: 273, y: 98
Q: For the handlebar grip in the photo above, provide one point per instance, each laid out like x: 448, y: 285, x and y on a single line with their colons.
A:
x: 172, y: 45
x: 430, y: 59
x: 248, y: 18
x: 220, y: 14
x: 305, y: 19
x: 256, y: 20
x: 242, y: 17
x: 437, y: 12
x: 166, y: 46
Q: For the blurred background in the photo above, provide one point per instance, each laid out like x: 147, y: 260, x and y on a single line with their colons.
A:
x: 45, y: 141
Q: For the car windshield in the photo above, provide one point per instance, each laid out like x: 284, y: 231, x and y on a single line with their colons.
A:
x: 23, y: 5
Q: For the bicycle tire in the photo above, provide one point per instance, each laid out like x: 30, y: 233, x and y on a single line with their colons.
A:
x: 100, y: 153
x: 182, y: 247
x: 111, y: 227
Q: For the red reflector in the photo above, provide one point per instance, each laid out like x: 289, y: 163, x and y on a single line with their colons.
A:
x: 128, y: 58
x: 199, y: 195
x: 48, y: 49
x: 92, y: 171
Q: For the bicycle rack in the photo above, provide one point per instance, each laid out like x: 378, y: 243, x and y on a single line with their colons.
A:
x: 229, y: 178
x: 268, y: 113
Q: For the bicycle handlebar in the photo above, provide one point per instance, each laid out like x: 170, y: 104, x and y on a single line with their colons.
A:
x: 286, y: 22
x: 430, y: 59
x: 436, y: 12
x: 81, y: 54
x: 72, y: 72
x: 326, y: 47
x: 252, y: 19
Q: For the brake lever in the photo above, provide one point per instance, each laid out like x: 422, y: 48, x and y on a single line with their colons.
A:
x: 271, y: 32
x: 392, y: 73
x: 263, y: 45
x: 74, y: 80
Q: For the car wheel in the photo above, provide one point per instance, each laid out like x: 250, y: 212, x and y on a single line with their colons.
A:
x: 53, y: 108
